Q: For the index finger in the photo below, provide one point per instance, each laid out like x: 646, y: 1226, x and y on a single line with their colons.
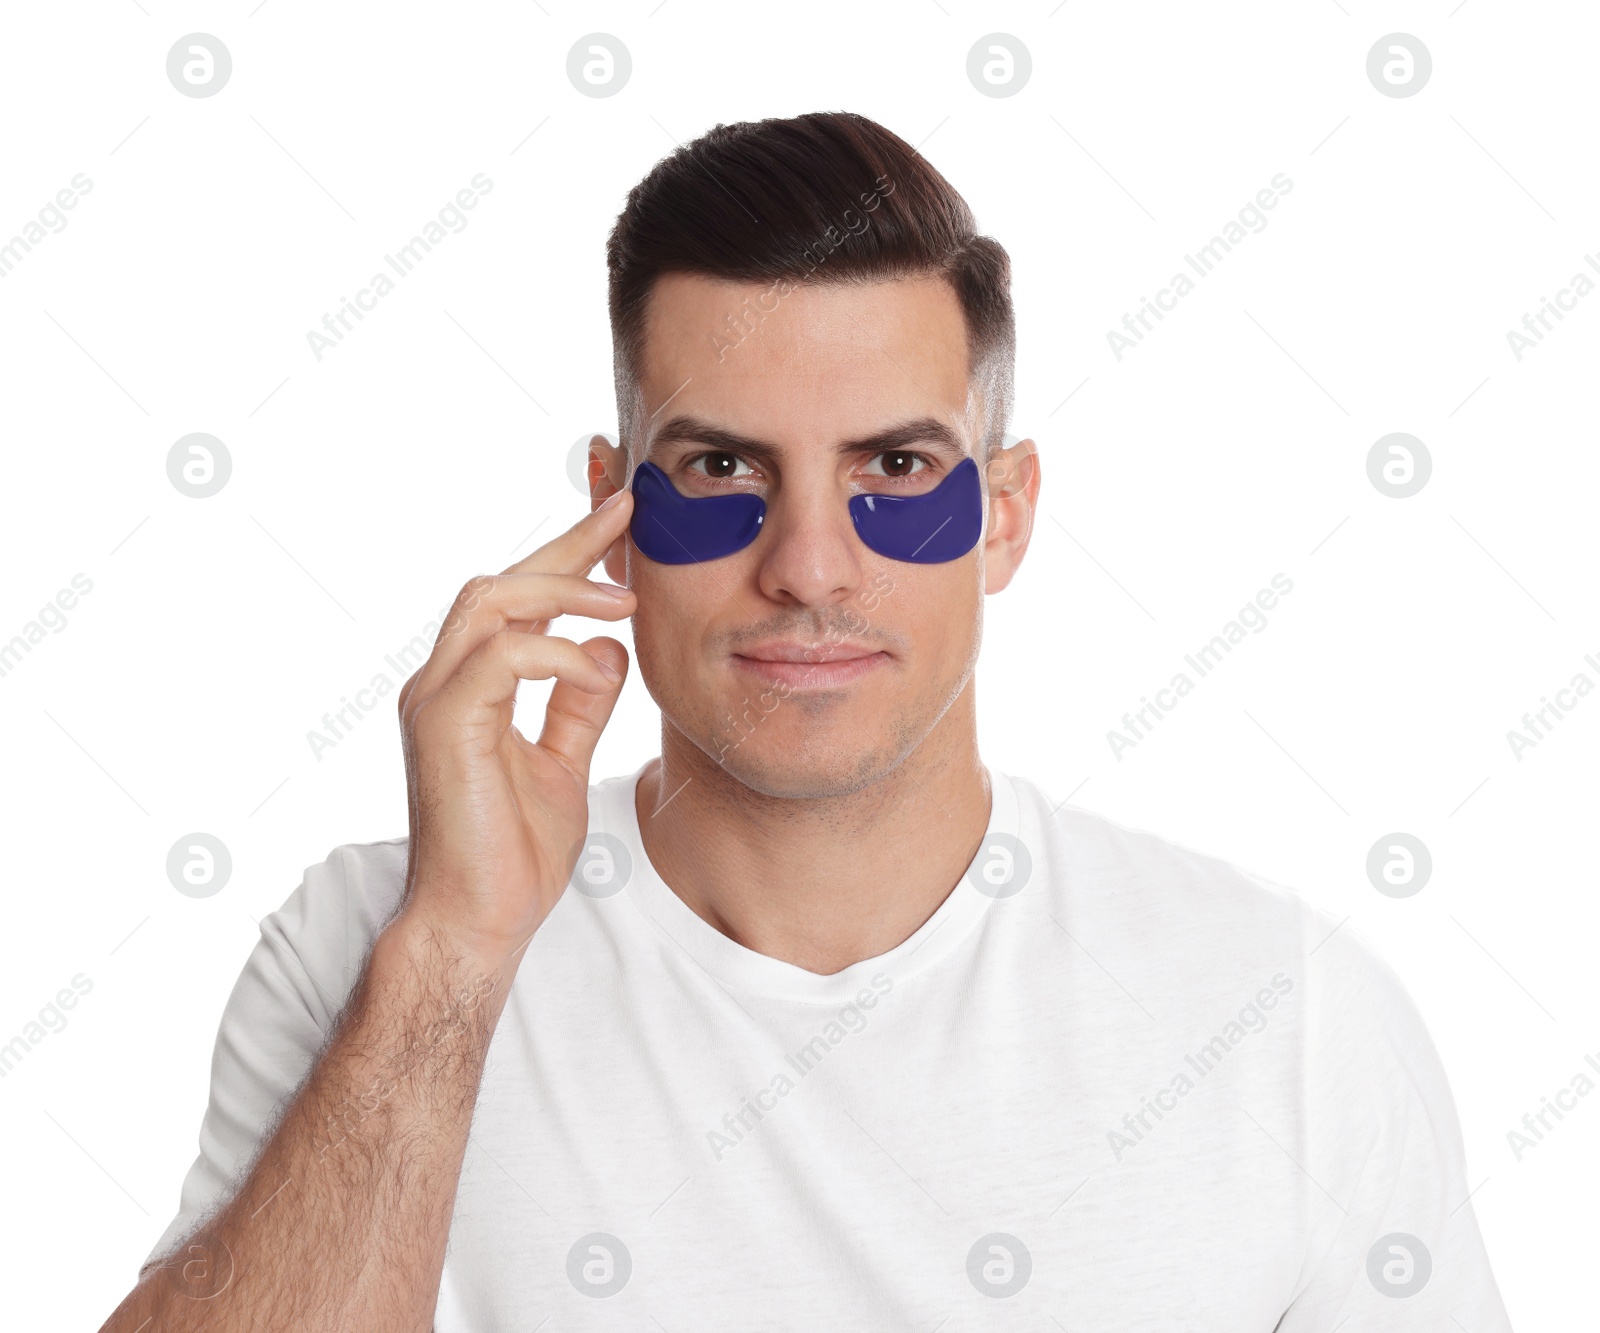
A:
x: 579, y: 548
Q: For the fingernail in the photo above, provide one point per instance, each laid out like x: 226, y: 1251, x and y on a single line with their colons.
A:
x: 607, y: 670
x: 618, y: 593
x: 610, y: 500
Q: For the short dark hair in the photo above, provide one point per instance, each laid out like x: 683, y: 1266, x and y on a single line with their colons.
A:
x: 777, y: 199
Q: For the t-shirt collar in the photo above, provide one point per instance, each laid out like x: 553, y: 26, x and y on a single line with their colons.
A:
x: 743, y: 969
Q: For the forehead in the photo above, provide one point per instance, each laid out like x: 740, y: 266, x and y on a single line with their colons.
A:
x: 821, y: 361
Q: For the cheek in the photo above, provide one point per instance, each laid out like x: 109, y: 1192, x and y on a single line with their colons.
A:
x: 939, y: 616
x: 670, y: 625
x: 655, y: 658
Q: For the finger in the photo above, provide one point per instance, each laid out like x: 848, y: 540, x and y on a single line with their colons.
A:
x: 523, y: 602
x: 579, y: 548
x: 574, y: 719
x: 473, y: 699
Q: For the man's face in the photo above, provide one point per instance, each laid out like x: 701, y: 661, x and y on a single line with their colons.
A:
x: 793, y: 412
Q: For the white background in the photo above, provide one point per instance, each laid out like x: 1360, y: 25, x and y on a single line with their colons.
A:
x: 431, y: 445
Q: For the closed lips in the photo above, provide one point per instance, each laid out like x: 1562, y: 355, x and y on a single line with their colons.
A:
x: 808, y: 653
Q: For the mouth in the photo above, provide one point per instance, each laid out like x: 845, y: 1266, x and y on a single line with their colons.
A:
x: 810, y: 666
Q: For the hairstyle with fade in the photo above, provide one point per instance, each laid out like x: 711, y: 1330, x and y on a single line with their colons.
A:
x: 775, y: 199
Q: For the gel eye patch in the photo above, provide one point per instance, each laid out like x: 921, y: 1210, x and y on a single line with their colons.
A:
x: 929, y: 529
x: 673, y: 529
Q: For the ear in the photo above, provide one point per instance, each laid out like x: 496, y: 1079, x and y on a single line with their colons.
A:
x: 1012, y: 481
x: 607, y: 471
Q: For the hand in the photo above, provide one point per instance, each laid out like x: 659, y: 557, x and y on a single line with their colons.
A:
x: 497, y: 822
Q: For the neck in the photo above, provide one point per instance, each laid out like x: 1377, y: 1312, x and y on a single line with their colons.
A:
x: 819, y: 881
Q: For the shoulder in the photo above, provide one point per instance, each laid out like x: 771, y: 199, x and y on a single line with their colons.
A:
x: 318, y: 940
x: 1203, y: 928
x: 1167, y: 893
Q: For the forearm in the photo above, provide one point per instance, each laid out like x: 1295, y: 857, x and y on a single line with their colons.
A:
x: 342, y: 1221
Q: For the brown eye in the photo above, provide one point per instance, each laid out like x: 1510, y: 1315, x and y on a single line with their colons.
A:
x: 897, y: 463
x: 718, y: 466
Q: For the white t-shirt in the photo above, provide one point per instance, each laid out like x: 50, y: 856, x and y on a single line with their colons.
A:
x: 1111, y: 1082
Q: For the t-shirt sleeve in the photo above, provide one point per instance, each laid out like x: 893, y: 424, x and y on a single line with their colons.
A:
x: 1397, y: 1246
x: 280, y: 1012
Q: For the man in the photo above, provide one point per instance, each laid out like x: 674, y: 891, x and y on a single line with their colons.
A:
x: 814, y: 1022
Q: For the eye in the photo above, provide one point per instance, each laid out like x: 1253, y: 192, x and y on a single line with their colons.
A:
x: 718, y: 468
x: 900, y: 465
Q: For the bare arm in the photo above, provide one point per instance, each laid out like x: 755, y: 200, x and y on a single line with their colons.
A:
x: 341, y: 1222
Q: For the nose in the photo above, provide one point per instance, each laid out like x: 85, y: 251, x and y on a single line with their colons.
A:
x: 811, y: 555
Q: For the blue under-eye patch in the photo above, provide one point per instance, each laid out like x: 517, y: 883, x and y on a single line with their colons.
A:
x: 673, y: 529
x: 929, y: 529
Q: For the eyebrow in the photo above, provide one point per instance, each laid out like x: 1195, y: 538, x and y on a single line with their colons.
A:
x: 929, y: 431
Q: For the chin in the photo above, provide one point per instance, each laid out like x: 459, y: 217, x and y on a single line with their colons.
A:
x: 795, y: 767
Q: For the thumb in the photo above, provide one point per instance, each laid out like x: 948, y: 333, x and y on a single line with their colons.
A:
x: 574, y: 718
